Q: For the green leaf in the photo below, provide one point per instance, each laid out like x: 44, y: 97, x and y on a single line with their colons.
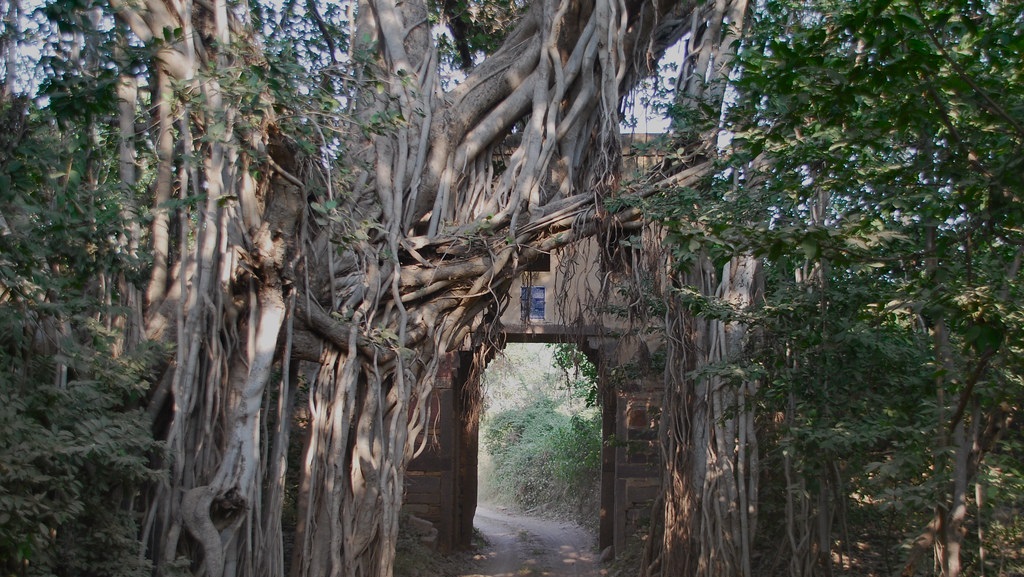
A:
x: 811, y: 249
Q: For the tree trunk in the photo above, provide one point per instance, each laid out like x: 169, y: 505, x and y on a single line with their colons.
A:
x: 710, y: 491
x: 708, y: 433
x: 424, y: 241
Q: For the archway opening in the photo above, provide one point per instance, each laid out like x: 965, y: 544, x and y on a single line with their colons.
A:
x: 541, y: 433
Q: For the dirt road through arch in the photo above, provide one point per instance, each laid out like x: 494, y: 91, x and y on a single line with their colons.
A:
x: 521, y: 546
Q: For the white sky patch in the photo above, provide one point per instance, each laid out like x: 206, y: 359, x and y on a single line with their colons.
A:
x: 30, y: 45
x: 646, y: 106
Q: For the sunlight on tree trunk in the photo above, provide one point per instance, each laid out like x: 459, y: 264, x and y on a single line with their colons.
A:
x: 709, y: 506
x: 433, y: 234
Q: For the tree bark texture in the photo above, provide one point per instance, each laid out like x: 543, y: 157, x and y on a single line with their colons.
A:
x: 709, y: 437
x: 706, y: 519
x: 419, y: 247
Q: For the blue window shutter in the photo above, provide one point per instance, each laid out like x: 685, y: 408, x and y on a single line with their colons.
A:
x: 531, y: 299
x: 537, y: 304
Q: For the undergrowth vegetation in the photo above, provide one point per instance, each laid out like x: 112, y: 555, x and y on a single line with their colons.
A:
x: 76, y: 448
x: 542, y: 443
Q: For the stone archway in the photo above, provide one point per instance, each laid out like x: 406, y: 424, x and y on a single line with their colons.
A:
x: 560, y: 298
x: 441, y: 483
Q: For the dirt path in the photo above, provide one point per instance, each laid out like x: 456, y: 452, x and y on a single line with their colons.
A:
x: 521, y: 546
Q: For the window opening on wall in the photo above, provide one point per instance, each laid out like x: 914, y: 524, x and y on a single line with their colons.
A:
x: 541, y: 264
x: 531, y: 299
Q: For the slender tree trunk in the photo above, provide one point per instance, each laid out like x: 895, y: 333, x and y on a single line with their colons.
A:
x: 9, y: 32
x: 130, y: 322
x: 708, y: 431
x: 160, y: 239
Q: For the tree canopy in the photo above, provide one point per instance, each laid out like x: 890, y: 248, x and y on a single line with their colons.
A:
x: 872, y: 167
x: 237, y: 240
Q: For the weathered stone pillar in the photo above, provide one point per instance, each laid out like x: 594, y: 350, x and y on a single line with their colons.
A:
x: 431, y: 480
x: 467, y: 404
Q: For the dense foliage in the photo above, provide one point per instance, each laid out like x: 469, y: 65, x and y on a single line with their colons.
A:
x: 545, y: 460
x: 543, y: 445
x: 875, y: 167
x: 75, y: 446
x: 73, y: 461
x: 580, y: 373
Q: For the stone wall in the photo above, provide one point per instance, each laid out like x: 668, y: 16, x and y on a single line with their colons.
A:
x: 441, y: 483
x: 637, y: 458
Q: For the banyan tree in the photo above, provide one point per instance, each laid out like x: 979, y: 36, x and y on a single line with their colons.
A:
x: 368, y: 234
x: 238, y: 241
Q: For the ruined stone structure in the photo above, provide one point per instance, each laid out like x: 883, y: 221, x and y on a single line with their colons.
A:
x: 552, y: 301
x: 441, y: 483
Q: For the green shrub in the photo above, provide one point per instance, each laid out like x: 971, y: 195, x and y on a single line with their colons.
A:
x: 545, y: 459
x: 72, y: 459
